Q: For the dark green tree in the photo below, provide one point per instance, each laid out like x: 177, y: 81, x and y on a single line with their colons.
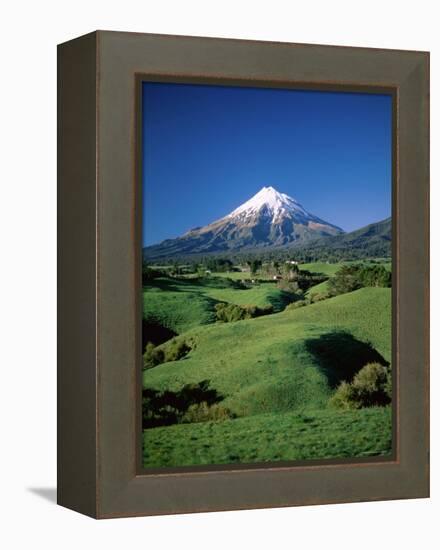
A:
x: 255, y: 265
x: 345, y: 280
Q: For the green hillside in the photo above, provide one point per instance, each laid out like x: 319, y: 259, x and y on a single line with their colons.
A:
x: 330, y: 269
x: 270, y: 437
x: 235, y: 275
x: 273, y: 363
x: 373, y: 240
x: 261, y: 295
x: 322, y: 267
x: 274, y: 375
x: 183, y: 304
x: 321, y: 288
x: 177, y: 310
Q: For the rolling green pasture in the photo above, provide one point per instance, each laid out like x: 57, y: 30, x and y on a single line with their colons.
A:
x: 183, y: 304
x: 167, y: 304
x: 275, y: 363
x: 331, y: 269
x: 313, y: 435
x: 318, y: 289
x: 235, y: 275
x: 321, y: 267
x: 275, y: 374
x: 263, y: 294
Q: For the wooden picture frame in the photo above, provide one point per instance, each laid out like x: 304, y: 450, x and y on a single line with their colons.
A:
x: 99, y: 352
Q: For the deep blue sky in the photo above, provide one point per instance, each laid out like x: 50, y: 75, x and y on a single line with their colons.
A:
x: 207, y: 149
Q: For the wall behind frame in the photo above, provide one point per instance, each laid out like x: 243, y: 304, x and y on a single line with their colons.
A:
x: 30, y: 33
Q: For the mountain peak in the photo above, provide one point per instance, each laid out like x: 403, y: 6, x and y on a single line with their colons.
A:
x: 268, y: 190
x: 269, y: 193
x: 269, y: 218
x: 272, y: 201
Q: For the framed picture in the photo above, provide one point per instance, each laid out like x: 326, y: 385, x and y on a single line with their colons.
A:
x: 243, y: 274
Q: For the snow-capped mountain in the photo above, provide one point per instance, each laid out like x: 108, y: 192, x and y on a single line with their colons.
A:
x: 275, y: 204
x: 269, y: 218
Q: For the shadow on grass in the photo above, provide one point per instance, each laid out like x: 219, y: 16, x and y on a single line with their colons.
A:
x: 193, y: 284
x: 281, y: 301
x: 340, y: 356
x: 154, y: 332
x: 169, y: 284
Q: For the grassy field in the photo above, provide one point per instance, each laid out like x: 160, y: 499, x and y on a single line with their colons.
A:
x: 331, y: 269
x: 168, y: 305
x: 273, y: 374
x: 270, y: 372
x: 321, y: 267
x: 274, y: 363
x: 320, y: 288
x: 183, y: 304
x: 269, y: 437
x: 235, y: 275
x: 263, y: 294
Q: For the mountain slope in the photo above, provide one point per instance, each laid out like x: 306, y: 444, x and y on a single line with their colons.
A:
x: 372, y: 240
x: 268, y: 219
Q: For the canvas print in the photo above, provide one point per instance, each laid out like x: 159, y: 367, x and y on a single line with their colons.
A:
x: 266, y: 275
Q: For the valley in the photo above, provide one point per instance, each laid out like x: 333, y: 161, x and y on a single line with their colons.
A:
x: 259, y: 388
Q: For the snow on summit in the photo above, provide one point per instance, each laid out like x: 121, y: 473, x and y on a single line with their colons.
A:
x: 269, y: 218
x: 276, y: 203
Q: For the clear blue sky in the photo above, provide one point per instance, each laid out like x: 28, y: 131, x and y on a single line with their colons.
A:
x: 207, y: 149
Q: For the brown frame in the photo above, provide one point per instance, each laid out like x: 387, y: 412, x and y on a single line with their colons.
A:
x: 290, y: 85
x: 99, y: 471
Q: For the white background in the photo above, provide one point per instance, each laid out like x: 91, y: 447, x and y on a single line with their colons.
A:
x: 29, y: 33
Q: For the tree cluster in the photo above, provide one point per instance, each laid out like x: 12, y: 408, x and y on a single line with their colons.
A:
x: 149, y: 274
x: 194, y: 402
x: 227, y: 313
x: 173, y: 351
x: 371, y: 387
x: 219, y: 265
x: 354, y: 276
